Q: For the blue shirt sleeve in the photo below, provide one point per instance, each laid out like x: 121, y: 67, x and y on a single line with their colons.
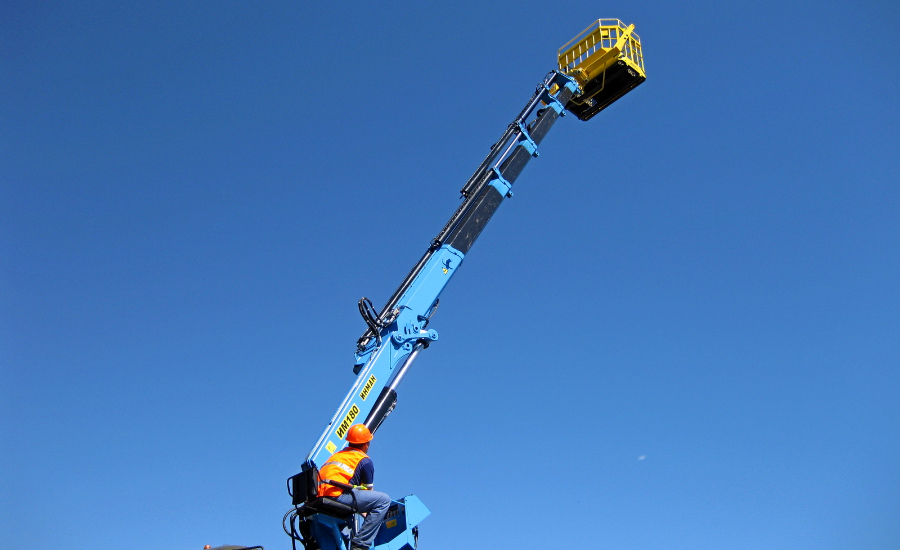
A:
x: 365, y: 473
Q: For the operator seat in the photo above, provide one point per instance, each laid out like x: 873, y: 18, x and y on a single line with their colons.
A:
x: 304, y: 489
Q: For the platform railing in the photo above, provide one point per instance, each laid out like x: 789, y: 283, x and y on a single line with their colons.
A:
x: 600, y: 35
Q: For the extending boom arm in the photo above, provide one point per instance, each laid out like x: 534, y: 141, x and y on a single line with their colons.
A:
x: 399, y: 332
x: 596, y: 68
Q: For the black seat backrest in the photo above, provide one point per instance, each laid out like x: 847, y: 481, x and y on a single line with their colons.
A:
x: 304, y: 489
x: 304, y: 486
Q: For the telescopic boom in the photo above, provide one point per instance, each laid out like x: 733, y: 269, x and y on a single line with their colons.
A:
x: 597, y: 67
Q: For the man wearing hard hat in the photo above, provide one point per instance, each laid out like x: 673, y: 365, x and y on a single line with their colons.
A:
x: 352, y: 466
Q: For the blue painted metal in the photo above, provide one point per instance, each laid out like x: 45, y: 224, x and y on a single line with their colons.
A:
x: 380, y: 361
x: 328, y: 531
x: 379, y: 355
x: 526, y: 140
x: 398, y: 530
x: 550, y: 99
x: 501, y: 184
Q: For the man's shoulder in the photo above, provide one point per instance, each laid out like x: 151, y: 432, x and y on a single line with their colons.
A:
x: 351, y: 450
x: 366, y: 470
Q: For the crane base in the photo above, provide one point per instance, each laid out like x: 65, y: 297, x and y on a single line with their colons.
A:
x: 399, y: 531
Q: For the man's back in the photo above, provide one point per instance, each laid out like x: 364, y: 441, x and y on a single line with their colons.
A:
x: 349, y: 465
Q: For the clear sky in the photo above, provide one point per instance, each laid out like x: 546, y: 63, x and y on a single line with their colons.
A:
x: 682, y: 333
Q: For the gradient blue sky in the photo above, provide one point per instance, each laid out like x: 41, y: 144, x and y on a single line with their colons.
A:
x: 194, y: 195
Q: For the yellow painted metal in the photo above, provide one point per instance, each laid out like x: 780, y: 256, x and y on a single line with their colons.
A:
x: 598, y: 47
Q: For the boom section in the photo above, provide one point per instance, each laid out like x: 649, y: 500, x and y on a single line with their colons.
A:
x: 400, y: 330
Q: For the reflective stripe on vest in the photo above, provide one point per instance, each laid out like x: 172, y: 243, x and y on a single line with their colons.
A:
x: 340, y: 467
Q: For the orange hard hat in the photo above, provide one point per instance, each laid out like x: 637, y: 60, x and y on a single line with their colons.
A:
x: 359, y: 434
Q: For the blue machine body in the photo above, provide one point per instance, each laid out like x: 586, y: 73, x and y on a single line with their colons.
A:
x: 397, y: 532
x: 380, y: 360
x: 396, y: 335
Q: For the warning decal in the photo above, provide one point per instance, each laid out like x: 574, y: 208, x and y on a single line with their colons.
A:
x: 348, y: 421
x: 368, y: 387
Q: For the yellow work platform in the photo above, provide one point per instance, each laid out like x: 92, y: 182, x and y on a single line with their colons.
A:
x: 607, y: 62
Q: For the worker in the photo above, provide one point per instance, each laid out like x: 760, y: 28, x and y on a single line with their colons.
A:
x: 353, y: 466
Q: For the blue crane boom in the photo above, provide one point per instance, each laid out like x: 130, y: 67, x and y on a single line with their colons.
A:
x: 395, y: 336
x: 597, y: 67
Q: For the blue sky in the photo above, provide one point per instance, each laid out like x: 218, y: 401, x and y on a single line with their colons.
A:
x: 193, y: 197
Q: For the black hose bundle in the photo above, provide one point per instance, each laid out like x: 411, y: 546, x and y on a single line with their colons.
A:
x: 299, y: 529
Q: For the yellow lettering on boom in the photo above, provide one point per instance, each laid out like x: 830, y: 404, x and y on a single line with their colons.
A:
x: 368, y: 387
x: 348, y: 421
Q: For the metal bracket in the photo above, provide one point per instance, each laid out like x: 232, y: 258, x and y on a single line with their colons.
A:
x: 526, y: 141
x: 501, y: 184
x: 561, y: 80
x: 413, y: 331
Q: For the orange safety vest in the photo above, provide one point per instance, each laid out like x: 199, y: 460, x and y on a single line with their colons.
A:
x: 340, y: 467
